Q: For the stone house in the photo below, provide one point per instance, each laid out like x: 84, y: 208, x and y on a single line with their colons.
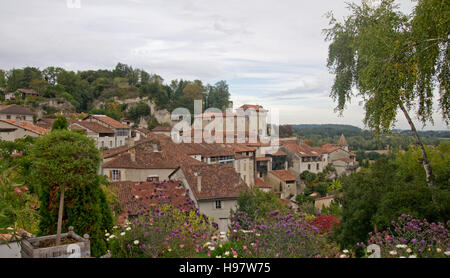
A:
x: 16, y: 112
x: 213, y: 188
x: 103, y: 136
x: 121, y: 132
x: 283, y: 183
x: 10, y: 130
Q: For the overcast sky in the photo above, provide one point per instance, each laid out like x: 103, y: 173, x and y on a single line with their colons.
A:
x: 271, y: 53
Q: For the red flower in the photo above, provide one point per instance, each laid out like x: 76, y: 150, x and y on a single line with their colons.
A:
x: 324, y: 223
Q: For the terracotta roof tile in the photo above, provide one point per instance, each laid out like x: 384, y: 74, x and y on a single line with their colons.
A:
x: 283, y: 175
x: 28, y: 126
x: 259, y: 183
x: 217, y: 182
x: 109, y: 121
x: 15, y: 109
x: 138, y: 197
x: 303, y: 150
x: 162, y: 128
x: 168, y: 156
x: 96, y: 127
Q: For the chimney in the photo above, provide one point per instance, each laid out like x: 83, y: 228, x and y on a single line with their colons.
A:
x: 132, y: 149
x: 199, y: 182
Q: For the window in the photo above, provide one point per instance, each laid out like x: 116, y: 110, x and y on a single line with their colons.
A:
x: 103, y: 144
x: 309, y: 166
x: 110, y: 144
x: 120, y: 142
x: 115, y: 175
x: 152, y: 178
x: 122, y: 132
x: 8, y: 117
x: 317, y: 166
x: 218, y: 204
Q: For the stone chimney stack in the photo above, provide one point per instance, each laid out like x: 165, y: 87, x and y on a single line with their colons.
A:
x: 132, y: 149
x: 199, y: 182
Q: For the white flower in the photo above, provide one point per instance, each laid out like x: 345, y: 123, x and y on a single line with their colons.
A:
x: 136, y: 242
x: 402, y: 257
x: 218, y: 257
x: 115, y: 227
x: 447, y: 253
x: 112, y: 236
x: 412, y: 256
x: 345, y: 251
x: 234, y: 231
x: 227, y: 253
x: 409, y: 250
x: 122, y: 233
x: 343, y: 256
x: 211, y: 248
x: 257, y: 234
x: 107, y: 234
x: 401, y: 246
x: 393, y: 252
x: 128, y: 228
x: 222, y: 233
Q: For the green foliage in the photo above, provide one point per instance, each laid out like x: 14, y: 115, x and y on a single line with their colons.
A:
x: 390, y: 187
x: 256, y: 204
x: 71, y: 159
x: 322, y: 188
x: 381, y: 52
x: 303, y: 199
x: 218, y: 95
x: 17, y: 204
x: 152, y: 123
x: 138, y: 111
x: 60, y: 123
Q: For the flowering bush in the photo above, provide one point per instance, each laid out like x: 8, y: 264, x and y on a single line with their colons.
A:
x: 162, y: 232
x: 413, y: 238
x: 279, y: 236
x: 324, y: 223
x: 18, y: 207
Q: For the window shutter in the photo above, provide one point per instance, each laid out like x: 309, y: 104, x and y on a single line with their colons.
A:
x: 119, y: 174
x: 110, y: 175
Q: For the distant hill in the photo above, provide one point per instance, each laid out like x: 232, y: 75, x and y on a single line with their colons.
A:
x: 330, y: 126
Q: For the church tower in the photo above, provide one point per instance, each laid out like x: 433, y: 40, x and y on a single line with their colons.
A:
x: 343, y: 142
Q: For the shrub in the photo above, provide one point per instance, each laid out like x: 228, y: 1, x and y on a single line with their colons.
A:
x: 409, y: 237
x: 162, y: 232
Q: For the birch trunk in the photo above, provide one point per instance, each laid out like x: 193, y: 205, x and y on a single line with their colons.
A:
x: 424, y: 160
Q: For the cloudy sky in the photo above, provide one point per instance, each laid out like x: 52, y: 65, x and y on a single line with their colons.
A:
x: 270, y: 52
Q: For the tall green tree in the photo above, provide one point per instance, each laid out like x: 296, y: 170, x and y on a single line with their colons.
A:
x: 60, y: 123
x: 381, y: 52
x: 65, y: 165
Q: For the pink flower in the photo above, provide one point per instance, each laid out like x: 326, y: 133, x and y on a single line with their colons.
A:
x: 25, y: 188
x: 18, y: 190
x: 181, y: 246
x: 244, y: 247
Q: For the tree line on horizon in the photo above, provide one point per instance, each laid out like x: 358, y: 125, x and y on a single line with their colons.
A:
x: 83, y: 88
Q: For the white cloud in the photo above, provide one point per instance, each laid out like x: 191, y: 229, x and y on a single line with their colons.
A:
x: 269, y: 51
